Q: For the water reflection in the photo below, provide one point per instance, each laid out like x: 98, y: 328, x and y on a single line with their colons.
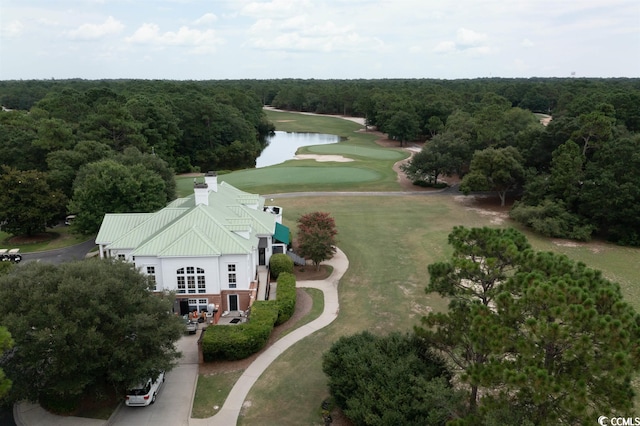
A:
x: 283, y: 146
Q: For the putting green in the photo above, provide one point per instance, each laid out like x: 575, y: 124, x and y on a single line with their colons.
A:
x: 300, y: 175
x: 356, y: 150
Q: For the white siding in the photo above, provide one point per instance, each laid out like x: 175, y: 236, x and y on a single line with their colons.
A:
x: 243, y: 268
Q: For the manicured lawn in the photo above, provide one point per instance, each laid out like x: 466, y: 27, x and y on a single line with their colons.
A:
x: 389, y: 242
x: 371, y: 169
x: 211, y: 392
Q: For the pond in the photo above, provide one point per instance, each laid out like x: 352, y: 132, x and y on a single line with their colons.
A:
x: 283, y: 146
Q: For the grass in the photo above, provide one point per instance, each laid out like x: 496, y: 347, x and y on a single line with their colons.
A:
x: 317, y: 298
x: 211, y: 391
x: 389, y: 242
x: 58, y: 237
x: 371, y: 169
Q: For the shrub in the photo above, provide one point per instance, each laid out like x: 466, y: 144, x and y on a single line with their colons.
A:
x: 280, y: 263
x: 286, y: 297
x: 390, y: 380
x: 551, y: 219
x: 232, y: 342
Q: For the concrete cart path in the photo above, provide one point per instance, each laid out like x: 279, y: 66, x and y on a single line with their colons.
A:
x: 228, y: 414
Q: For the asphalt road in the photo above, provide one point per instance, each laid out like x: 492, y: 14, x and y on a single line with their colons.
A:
x: 66, y: 254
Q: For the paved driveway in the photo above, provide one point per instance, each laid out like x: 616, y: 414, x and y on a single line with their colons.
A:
x: 66, y: 254
x: 173, y: 405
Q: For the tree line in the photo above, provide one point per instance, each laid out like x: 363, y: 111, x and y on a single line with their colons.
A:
x: 577, y: 177
x: 92, y: 147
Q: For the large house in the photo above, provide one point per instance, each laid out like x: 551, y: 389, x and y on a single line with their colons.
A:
x: 210, y: 248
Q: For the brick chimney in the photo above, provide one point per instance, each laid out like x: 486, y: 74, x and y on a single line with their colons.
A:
x: 211, y: 179
x: 201, y: 192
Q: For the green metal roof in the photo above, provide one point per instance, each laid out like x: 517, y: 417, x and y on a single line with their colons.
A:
x: 115, y: 225
x: 227, y: 225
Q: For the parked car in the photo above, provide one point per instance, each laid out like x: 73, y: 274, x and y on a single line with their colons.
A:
x: 145, y: 393
x: 190, y: 325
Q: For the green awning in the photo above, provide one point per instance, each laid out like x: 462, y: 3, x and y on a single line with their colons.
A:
x: 281, y: 234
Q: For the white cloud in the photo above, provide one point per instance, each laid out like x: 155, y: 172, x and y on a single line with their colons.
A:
x: 279, y: 38
x: 527, y: 43
x: 445, y: 47
x: 275, y: 8
x: 468, y: 41
x: 201, y: 41
x: 469, y: 38
x: 95, y: 31
x: 306, y: 32
x: 206, y: 19
x: 13, y: 29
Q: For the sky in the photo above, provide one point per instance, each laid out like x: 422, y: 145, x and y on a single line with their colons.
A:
x: 318, y: 39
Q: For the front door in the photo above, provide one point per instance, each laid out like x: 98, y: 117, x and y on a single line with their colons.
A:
x: 233, y: 302
x: 261, y: 257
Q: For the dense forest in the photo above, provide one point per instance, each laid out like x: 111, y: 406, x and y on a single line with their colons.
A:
x: 576, y: 177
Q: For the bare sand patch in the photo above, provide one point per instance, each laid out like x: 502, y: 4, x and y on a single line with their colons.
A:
x: 474, y: 203
x: 496, y: 218
x: 323, y: 158
x: 545, y: 119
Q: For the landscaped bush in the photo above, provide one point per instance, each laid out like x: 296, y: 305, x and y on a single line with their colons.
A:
x: 280, y: 263
x: 286, y: 297
x: 231, y: 342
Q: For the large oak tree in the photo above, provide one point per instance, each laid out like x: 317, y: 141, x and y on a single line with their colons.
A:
x: 494, y: 169
x: 110, y: 187
x: 84, y: 326
x: 27, y: 203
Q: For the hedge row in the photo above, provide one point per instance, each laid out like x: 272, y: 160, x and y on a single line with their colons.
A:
x: 231, y: 342
x: 280, y: 263
x: 286, y: 297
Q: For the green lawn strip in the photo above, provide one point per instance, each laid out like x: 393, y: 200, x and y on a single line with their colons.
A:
x: 295, y: 122
x: 389, y: 242
x: 58, y: 237
x: 292, y: 379
x: 211, y: 391
x: 316, y: 309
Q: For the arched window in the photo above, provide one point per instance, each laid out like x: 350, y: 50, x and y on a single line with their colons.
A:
x: 191, y: 280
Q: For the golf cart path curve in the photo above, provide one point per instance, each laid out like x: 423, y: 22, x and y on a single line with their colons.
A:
x: 229, y: 412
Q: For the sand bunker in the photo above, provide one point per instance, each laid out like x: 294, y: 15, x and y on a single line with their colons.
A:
x: 324, y: 158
